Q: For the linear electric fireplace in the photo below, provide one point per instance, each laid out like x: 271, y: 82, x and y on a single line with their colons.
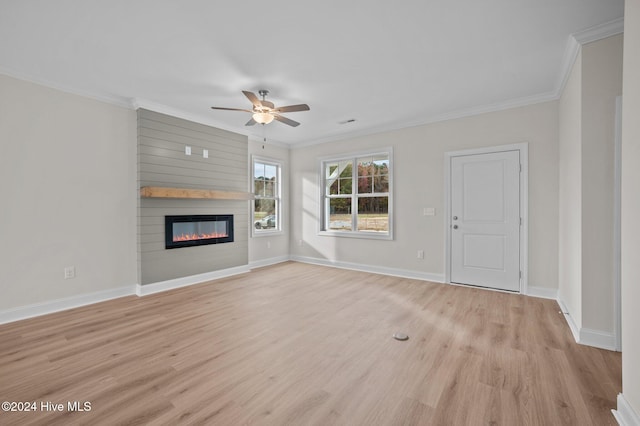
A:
x: 197, y: 230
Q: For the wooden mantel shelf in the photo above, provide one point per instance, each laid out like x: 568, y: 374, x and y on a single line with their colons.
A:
x: 213, y: 194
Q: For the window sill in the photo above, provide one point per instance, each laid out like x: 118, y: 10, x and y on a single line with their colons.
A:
x: 267, y: 233
x: 361, y: 235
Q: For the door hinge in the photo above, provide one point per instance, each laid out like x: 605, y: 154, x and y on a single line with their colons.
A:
x: 520, y: 274
x: 520, y: 168
x: 520, y: 221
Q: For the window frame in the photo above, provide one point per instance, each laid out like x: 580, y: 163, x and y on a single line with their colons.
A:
x: 277, y: 196
x: 324, y: 197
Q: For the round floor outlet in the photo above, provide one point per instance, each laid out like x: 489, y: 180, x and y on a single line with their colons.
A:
x: 400, y: 336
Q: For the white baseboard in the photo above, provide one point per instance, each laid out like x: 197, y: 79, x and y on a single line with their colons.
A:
x: 597, y: 338
x: 625, y: 415
x: 146, y: 289
x: 44, y: 308
x: 542, y: 292
x: 572, y: 324
x: 587, y: 336
x: 438, y: 278
x: 38, y: 309
x: 268, y: 262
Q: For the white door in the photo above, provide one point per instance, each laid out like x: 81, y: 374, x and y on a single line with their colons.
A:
x: 485, y: 220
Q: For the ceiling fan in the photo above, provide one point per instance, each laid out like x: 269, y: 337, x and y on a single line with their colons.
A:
x: 264, y: 112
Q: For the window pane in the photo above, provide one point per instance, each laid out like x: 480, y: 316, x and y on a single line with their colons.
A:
x: 365, y: 185
x: 341, y: 169
x: 266, y: 206
x: 373, y: 214
x: 345, y: 186
x: 370, y: 174
x: 270, y: 189
x: 338, y: 178
x: 381, y: 164
x: 333, y: 188
x: 258, y: 187
x: 330, y: 169
x: 340, y: 186
x: 381, y: 183
x: 340, y: 214
x: 270, y: 171
x: 365, y: 167
x: 258, y: 170
x: 345, y: 169
x: 265, y: 215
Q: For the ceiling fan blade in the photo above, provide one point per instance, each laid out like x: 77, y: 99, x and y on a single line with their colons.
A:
x: 293, y: 108
x: 268, y: 104
x: 286, y: 120
x: 231, y: 109
x: 253, y: 98
x: 251, y: 122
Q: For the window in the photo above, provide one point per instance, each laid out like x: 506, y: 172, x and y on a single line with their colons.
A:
x: 266, y: 188
x: 357, y: 195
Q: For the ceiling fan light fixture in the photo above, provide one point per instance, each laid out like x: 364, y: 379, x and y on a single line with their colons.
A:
x: 263, y: 117
x: 264, y: 111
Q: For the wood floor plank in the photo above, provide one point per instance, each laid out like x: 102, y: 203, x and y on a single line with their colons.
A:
x: 303, y: 344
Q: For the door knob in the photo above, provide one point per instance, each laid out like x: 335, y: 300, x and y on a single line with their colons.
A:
x: 455, y: 226
x: 455, y: 218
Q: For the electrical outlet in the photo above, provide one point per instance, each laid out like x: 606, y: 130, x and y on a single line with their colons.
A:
x: 268, y: 244
x: 187, y: 150
x: 69, y: 272
x: 205, y: 153
x: 420, y: 254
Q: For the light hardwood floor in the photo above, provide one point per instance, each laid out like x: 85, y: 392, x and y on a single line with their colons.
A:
x: 301, y: 344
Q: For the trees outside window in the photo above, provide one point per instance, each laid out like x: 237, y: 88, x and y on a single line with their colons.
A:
x: 357, y: 192
x: 266, y: 189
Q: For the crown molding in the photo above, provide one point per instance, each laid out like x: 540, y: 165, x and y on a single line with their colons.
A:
x: 574, y: 43
x: 577, y: 40
x: 600, y: 31
x: 137, y: 103
x: 568, y: 59
x: 101, y: 97
x: 452, y: 115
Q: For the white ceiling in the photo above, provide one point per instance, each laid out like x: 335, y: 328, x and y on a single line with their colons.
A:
x: 385, y: 64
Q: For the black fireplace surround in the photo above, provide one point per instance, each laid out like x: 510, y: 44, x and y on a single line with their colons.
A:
x: 197, y: 230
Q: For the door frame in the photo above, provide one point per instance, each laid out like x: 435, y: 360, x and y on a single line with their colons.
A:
x: 523, y: 148
x: 617, y: 228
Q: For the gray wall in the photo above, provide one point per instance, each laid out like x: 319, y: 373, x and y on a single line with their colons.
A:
x: 162, y: 162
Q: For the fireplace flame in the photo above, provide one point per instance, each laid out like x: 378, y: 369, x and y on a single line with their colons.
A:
x: 192, y: 237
